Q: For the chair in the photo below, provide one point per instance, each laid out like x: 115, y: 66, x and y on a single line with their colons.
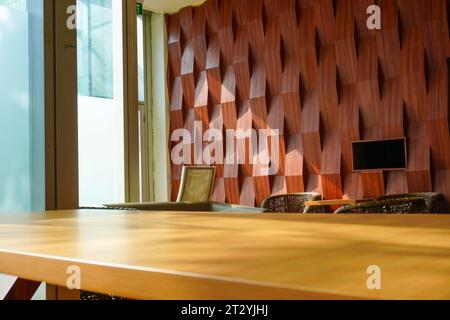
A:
x: 388, y: 206
x: 294, y: 203
x: 197, y: 184
x: 86, y: 295
x: 190, y: 207
x: 435, y: 202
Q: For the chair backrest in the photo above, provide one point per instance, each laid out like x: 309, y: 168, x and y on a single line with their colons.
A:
x: 389, y: 206
x: 436, y: 202
x: 290, y: 203
x: 197, y: 184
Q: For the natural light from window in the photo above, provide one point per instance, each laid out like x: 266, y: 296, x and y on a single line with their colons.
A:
x: 100, y: 102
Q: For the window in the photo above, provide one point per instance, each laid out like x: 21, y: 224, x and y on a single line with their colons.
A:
x: 100, y: 102
x: 141, y: 54
x: 22, y: 167
x: 95, y: 49
x: 22, y: 147
x: 15, y: 4
x: 141, y: 99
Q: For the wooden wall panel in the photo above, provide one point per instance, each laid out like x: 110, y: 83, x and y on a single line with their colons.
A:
x: 312, y: 70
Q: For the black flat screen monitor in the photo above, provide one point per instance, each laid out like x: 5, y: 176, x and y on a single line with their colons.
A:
x: 379, y: 155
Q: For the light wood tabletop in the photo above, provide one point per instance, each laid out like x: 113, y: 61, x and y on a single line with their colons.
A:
x: 159, y: 255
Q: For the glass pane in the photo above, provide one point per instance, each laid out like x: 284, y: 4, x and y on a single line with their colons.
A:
x: 141, y: 99
x: 95, y: 49
x: 22, y: 149
x: 15, y: 4
x: 100, y: 102
x: 140, y: 48
x: 22, y: 185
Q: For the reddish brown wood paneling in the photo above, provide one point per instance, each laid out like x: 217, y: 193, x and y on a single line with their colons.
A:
x: 312, y: 70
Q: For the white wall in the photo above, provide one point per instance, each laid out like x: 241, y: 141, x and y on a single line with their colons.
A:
x: 160, y: 110
x: 169, y: 6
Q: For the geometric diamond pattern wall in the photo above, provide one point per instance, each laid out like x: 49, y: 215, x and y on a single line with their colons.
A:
x: 313, y: 70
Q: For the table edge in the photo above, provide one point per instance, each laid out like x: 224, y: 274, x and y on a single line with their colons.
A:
x: 127, y: 281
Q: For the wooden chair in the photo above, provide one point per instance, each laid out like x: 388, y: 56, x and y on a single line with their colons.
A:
x: 197, y: 184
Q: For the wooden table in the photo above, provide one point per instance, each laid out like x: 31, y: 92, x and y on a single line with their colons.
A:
x: 337, y: 202
x: 227, y: 256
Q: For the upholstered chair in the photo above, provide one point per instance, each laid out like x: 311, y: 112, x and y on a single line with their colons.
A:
x: 435, y: 202
x: 294, y: 203
x: 389, y: 206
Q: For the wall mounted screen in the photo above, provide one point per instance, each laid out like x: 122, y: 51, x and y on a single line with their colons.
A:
x: 379, y: 155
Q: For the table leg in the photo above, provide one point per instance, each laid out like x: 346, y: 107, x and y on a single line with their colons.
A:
x: 23, y: 290
x: 62, y: 293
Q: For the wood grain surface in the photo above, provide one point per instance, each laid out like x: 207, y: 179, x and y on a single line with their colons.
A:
x: 231, y: 256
